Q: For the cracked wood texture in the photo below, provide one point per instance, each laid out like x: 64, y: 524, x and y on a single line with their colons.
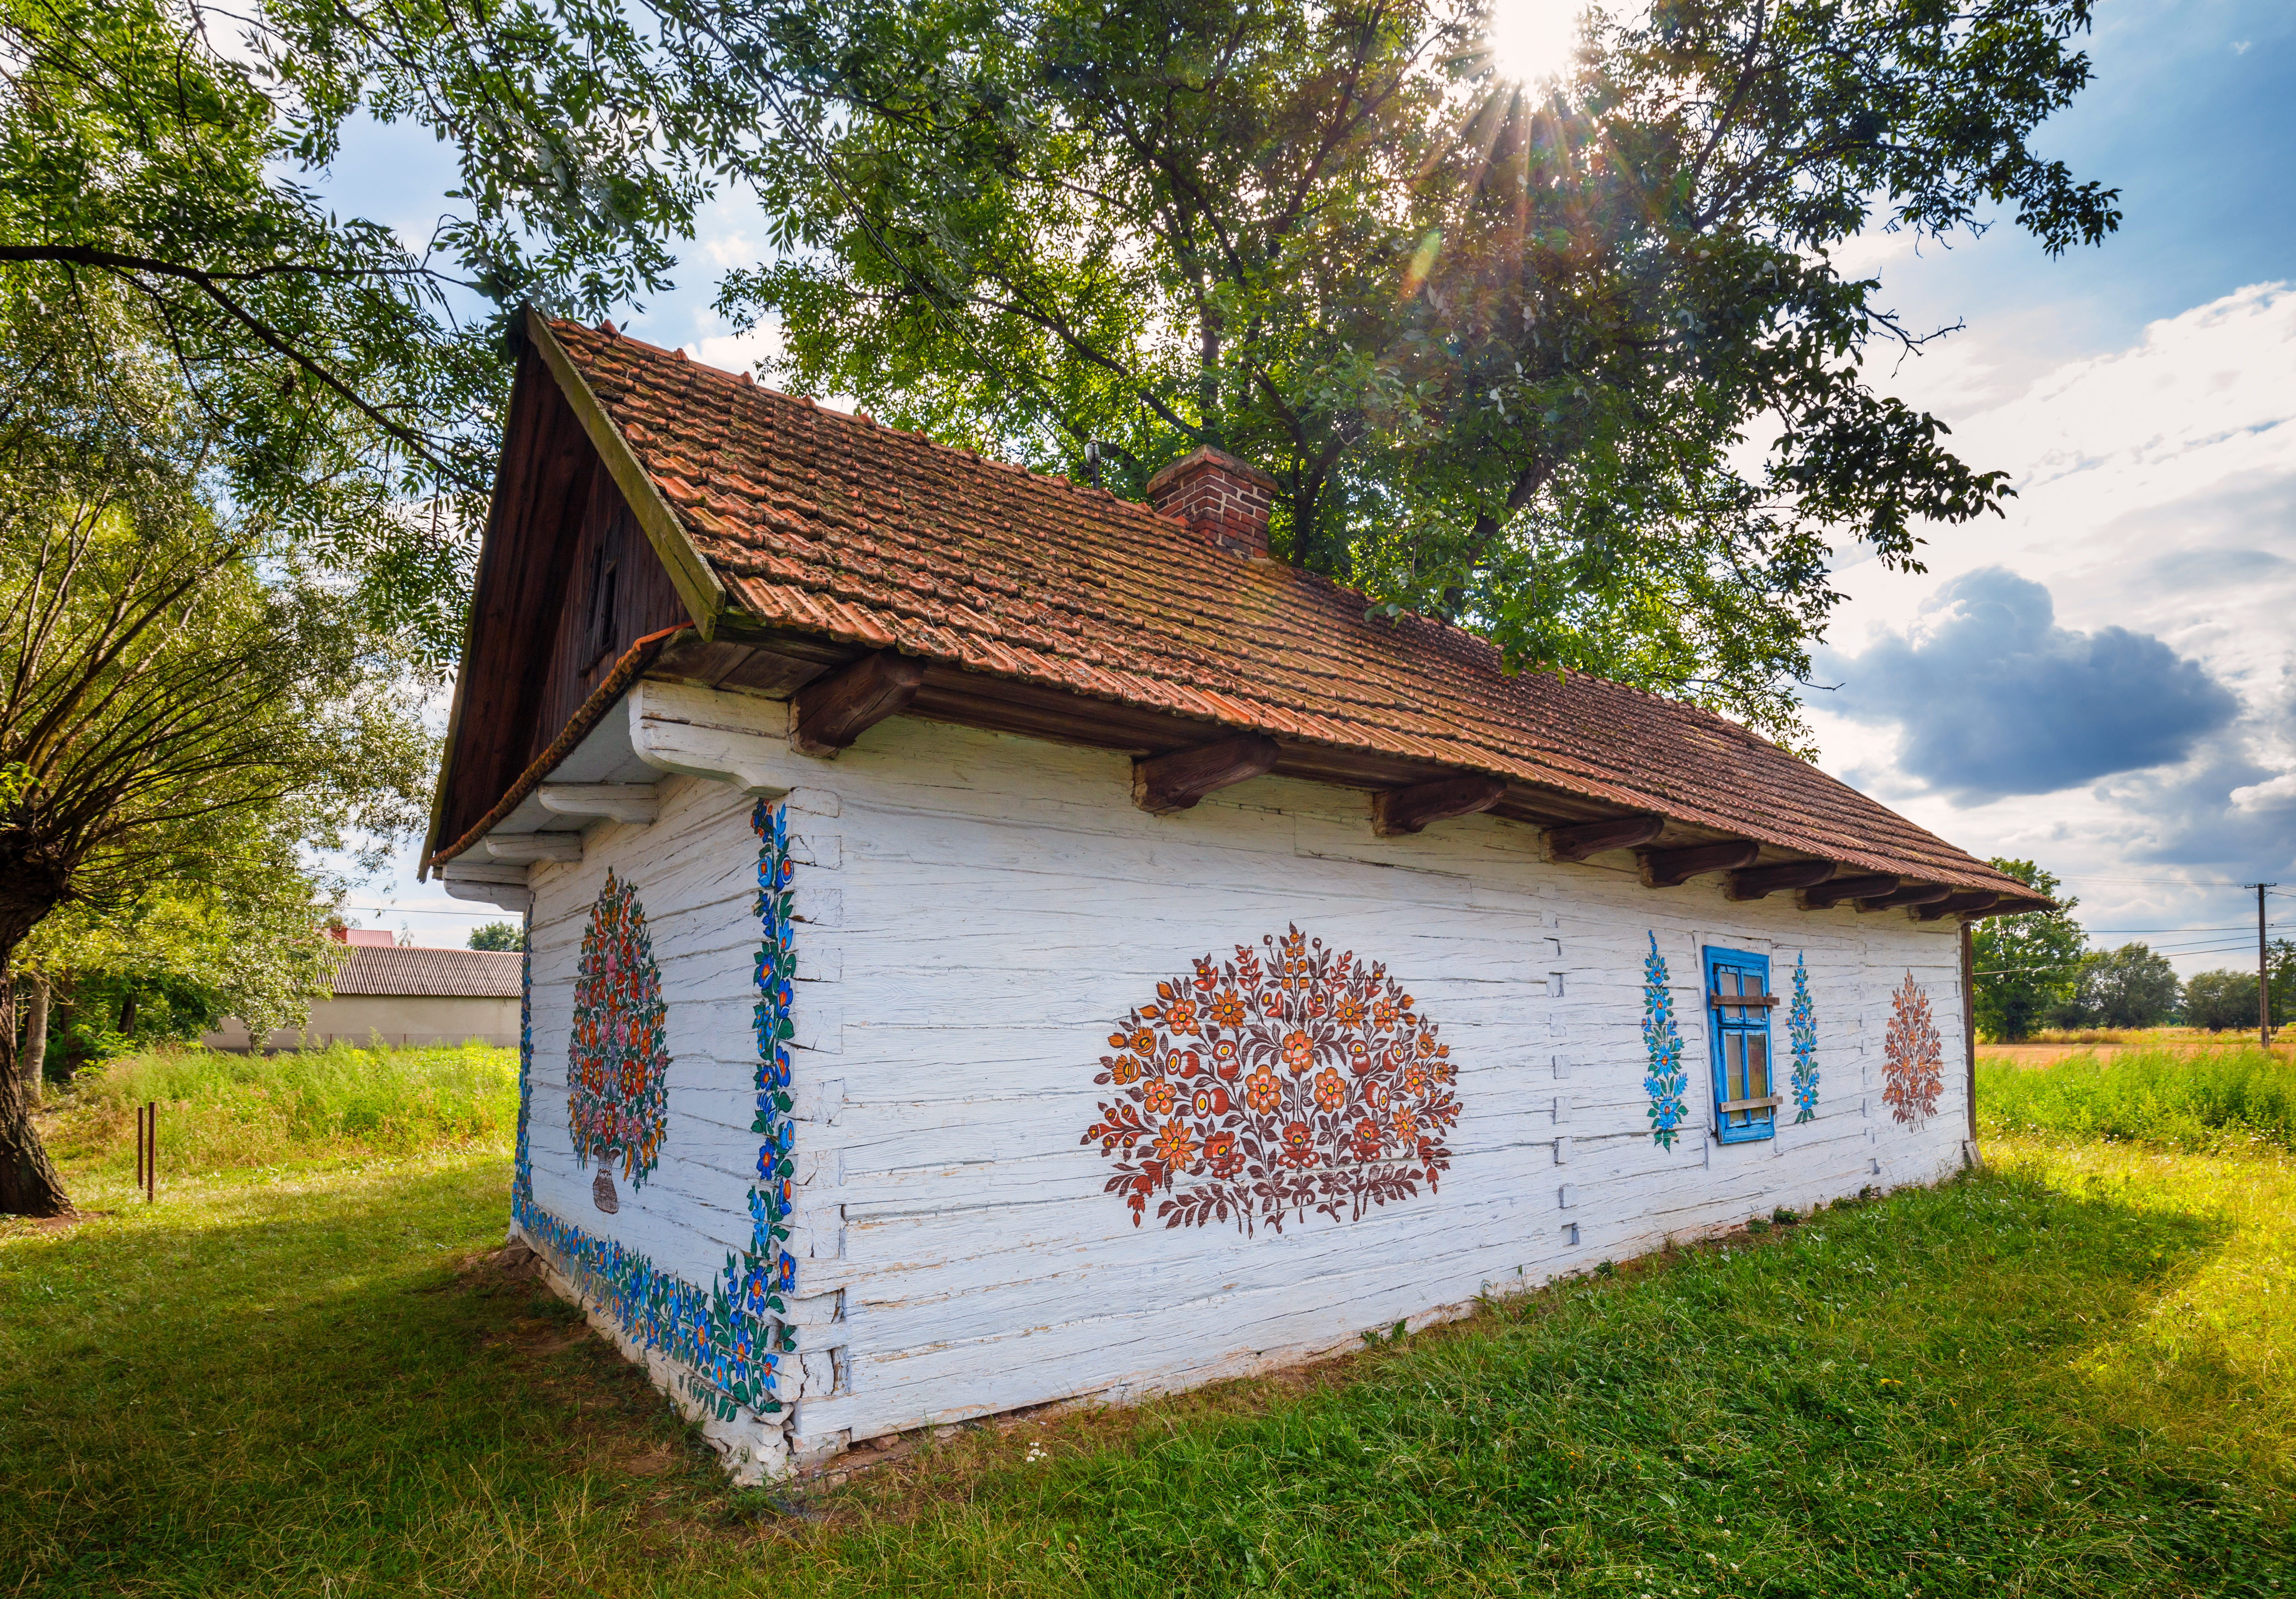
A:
x: 831, y: 712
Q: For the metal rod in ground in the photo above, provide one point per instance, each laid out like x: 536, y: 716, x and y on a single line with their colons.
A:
x: 152, y: 1160
x: 2263, y: 968
x: 139, y: 1146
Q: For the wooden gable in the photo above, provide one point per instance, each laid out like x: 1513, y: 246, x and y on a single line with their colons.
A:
x: 568, y: 581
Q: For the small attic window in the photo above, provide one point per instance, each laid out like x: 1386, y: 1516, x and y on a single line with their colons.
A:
x: 598, y: 634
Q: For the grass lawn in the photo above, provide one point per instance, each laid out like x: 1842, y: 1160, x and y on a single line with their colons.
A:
x: 2068, y: 1375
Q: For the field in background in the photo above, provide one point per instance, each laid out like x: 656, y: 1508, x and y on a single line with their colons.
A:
x: 2048, y: 1047
x: 2072, y: 1374
x: 219, y: 1110
x: 2223, y: 1098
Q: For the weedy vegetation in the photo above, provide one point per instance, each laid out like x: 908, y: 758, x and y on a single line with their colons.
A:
x: 2069, y: 1373
x: 2211, y: 1099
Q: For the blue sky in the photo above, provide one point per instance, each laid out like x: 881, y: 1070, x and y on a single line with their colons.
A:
x: 2104, y: 680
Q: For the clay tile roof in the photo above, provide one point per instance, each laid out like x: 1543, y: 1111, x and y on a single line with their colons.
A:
x: 833, y: 524
x: 431, y: 974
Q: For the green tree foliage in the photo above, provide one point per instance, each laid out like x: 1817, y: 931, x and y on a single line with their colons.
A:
x: 1576, y: 368
x: 2131, y: 987
x: 2219, y: 1001
x: 499, y: 935
x: 167, y: 151
x: 2027, y: 964
x: 187, y: 703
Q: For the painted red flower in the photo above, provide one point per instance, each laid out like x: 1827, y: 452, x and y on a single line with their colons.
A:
x: 1406, y: 1127
x: 1382, y: 1014
x: 1367, y: 1139
x: 1298, y: 1144
x: 1220, y: 1155
x: 1209, y: 1101
x: 1142, y: 1041
x: 1375, y: 1096
x: 1261, y: 1091
x: 1175, y: 1147
x: 1158, y: 1098
x: 1227, y: 1010
x: 1224, y: 1057
x: 1415, y: 1079
x: 1180, y: 1015
x: 1426, y: 1044
x: 1359, y: 1058
x: 1350, y: 1012
x: 1331, y: 1089
x: 1124, y: 1069
x: 1299, y: 1053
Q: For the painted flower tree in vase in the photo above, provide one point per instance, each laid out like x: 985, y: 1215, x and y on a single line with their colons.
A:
x: 617, y: 1065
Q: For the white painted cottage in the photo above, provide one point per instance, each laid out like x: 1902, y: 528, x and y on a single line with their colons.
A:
x: 996, y: 943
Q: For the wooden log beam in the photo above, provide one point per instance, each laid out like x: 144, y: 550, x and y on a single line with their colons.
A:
x: 518, y: 848
x: 1832, y: 892
x: 1583, y: 839
x: 1913, y: 893
x: 1398, y: 811
x: 1756, y: 882
x: 618, y: 802
x: 1671, y: 868
x: 1164, y: 783
x: 831, y: 712
x: 1961, y: 902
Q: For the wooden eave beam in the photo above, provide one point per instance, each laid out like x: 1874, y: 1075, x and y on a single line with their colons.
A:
x: 1164, y: 783
x: 1755, y: 883
x: 1913, y: 893
x: 1577, y: 842
x: 1961, y: 902
x: 1395, y: 812
x: 1826, y: 895
x: 831, y: 712
x: 1671, y: 868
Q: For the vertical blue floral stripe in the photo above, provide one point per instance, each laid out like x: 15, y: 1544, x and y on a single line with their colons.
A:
x: 1666, y: 1082
x: 1801, y: 1027
x: 730, y: 1335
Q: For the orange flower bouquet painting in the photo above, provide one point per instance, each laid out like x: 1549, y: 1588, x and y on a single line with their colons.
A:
x: 617, y: 1065
x: 1913, y: 1066
x: 1266, y: 1087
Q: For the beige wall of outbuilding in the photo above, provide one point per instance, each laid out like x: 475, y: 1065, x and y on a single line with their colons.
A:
x: 399, y: 1020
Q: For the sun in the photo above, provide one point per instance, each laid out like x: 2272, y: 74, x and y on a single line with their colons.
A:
x: 1531, y: 39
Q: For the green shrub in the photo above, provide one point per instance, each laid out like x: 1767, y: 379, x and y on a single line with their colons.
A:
x: 2202, y: 1099
x: 218, y: 1109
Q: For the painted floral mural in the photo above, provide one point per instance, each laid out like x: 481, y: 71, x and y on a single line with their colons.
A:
x: 1801, y: 1030
x: 1912, y: 1067
x: 1665, y: 1082
x: 730, y: 1335
x: 1263, y: 1088
x: 618, y: 1064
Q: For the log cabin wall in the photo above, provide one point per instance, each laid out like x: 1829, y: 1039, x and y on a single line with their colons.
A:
x: 979, y: 915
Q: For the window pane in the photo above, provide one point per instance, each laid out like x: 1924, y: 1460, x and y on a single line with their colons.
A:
x: 1757, y: 1066
x: 1734, y: 1065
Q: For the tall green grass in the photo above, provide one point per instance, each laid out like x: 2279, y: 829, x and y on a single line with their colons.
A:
x: 218, y: 1111
x: 2202, y: 1100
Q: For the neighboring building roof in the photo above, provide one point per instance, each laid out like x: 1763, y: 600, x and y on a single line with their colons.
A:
x: 820, y: 524
x: 375, y: 937
x: 431, y: 974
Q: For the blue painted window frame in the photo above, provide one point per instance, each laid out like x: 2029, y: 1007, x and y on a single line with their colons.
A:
x: 1746, y: 1024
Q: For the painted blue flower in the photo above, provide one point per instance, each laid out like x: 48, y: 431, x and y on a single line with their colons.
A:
x: 1666, y: 1083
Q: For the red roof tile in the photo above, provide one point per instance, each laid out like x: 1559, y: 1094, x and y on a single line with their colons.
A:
x: 828, y: 523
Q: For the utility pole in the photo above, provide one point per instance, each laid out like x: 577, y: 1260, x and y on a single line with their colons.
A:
x: 2263, y: 968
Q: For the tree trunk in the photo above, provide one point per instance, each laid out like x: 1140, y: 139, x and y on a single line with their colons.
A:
x: 34, y: 1063
x: 28, y: 1183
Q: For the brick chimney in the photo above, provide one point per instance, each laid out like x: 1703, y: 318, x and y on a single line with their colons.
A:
x: 1221, y: 498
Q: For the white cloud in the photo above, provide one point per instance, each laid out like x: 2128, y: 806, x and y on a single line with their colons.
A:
x: 2157, y: 493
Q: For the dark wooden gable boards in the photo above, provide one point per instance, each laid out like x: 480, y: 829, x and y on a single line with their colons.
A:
x: 567, y: 581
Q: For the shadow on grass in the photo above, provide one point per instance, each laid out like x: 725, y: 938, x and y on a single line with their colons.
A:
x: 298, y: 1390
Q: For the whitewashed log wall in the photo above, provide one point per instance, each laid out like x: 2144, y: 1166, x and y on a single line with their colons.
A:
x: 977, y: 912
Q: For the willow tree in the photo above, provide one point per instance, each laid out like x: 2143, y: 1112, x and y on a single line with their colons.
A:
x: 181, y: 696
